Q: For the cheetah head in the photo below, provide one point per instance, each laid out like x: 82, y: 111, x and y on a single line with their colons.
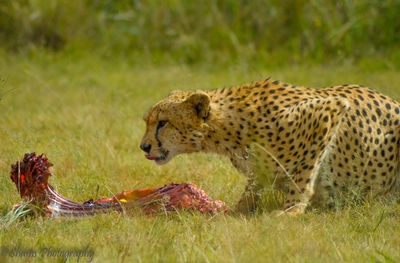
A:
x: 175, y: 125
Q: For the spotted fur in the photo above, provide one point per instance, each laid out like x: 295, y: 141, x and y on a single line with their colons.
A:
x: 316, y: 145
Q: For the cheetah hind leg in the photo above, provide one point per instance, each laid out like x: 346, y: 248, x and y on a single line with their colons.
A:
x: 329, y: 113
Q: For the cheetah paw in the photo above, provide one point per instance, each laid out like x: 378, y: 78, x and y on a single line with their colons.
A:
x: 293, y: 211
x: 276, y: 213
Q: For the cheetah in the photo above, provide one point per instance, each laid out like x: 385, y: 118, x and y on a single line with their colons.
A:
x: 315, y: 145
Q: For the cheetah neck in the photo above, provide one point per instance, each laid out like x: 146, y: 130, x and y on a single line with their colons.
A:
x: 232, y: 124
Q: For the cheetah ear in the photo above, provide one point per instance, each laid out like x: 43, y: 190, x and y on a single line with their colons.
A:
x: 200, y: 101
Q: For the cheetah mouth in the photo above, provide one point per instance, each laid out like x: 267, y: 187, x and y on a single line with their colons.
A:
x: 160, y: 158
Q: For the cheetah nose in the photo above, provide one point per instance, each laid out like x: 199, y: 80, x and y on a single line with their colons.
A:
x: 145, y: 147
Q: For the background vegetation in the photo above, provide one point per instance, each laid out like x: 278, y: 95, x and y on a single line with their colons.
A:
x: 258, y: 31
x: 77, y: 76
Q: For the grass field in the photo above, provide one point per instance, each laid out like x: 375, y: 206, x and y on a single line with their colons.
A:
x: 86, y: 114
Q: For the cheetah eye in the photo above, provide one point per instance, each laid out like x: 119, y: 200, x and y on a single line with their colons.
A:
x: 161, y: 124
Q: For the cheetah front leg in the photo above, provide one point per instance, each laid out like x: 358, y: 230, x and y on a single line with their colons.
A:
x: 250, y: 197
x: 300, y: 192
x: 253, y: 191
x: 317, y: 122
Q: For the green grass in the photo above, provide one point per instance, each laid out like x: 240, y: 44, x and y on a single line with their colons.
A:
x: 86, y: 114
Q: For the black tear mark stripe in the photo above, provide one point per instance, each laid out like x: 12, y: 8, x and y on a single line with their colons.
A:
x: 158, y: 140
x: 157, y: 132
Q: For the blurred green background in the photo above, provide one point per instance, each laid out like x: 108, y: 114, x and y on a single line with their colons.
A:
x: 223, y: 31
x: 77, y: 76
